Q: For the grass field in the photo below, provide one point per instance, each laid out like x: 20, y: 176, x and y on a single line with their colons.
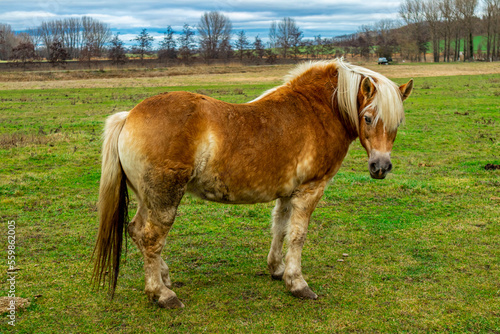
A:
x: 423, y: 245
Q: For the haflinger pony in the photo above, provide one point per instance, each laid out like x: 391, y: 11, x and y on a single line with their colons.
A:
x: 285, y: 146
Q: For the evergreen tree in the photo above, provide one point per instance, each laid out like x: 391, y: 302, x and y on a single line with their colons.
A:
x: 259, y: 47
x: 186, y: 41
x: 241, y: 44
x: 117, y: 51
x: 144, y: 43
x: 168, y: 45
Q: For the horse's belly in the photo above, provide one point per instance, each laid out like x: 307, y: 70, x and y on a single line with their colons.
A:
x: 215, y: 189
x: 226, y: 175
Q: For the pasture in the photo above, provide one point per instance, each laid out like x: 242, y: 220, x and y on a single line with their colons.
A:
x: 416, y: 252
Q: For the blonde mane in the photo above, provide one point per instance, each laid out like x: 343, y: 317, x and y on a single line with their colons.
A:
x: 387, y: 101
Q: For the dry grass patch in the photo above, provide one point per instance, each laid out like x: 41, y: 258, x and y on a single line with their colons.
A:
x: 10, y: 140
x: 209, y: 75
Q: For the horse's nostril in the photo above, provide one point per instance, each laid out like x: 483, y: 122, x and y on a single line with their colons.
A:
x: 373, y: 166
x: 389, y: 167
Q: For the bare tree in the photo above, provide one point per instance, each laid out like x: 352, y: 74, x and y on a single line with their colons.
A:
x: 73, y: 38
x: 95, y: 33
x: 411, y: 11
x: 433, y: 18
x: 273, y: 36
x: 288, y: 35
x: 87, y: 52
x: 7, y: 41
x: 214, y: 30
x: 447, y: 23
x: 491, y: 20
x: 75, y: 35
x: 385, y: 37
x: 466, y: 10
x: 369, y: 34
x: 366, y: 40
x: 30, y: 35
x: 48, y: 35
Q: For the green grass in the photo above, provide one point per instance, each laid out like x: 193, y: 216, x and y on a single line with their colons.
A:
x: 423, y: 244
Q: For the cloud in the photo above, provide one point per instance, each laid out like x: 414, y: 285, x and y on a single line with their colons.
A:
x: 125, y: 21
x: 326, y: 17
x: 26, y: 19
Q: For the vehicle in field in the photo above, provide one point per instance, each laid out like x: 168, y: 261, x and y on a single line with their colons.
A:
x: 383, y: 61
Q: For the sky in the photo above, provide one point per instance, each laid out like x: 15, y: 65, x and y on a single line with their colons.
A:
x: 327, y: 18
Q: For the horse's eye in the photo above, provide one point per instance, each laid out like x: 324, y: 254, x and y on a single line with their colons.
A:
x: 368, y: 120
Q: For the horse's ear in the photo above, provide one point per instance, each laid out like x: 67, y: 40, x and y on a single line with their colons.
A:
x: 367, y: 88
x: 406, y: 89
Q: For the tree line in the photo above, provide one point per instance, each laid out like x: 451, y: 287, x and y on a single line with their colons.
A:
x: 446, y: 28
x: 213, y: 39
x: 79, y: 37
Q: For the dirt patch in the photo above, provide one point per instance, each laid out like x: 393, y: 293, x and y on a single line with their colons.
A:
x: 491, y: 167
x: 18, y: 302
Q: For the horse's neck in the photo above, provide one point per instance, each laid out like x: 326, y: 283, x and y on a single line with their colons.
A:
x: 320, y: 98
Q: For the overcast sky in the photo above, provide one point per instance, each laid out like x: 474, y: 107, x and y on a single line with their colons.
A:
x: 328, y: 18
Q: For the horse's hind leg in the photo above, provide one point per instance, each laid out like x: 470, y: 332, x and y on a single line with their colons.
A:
x: 155, y: 232
x: 136, y: 229
x: 281, y: 216
x: 162, y: 194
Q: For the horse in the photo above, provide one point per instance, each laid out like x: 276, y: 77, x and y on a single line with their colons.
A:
x: 285, y: 146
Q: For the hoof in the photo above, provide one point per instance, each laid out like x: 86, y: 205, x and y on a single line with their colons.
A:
x: 277, y: 277
x: 305, y: 293
x: 171, y: 302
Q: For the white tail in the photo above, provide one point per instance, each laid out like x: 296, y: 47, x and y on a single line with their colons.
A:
x: 113, y: 205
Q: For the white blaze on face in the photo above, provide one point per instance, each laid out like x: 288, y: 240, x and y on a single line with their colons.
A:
x: 374, y: 154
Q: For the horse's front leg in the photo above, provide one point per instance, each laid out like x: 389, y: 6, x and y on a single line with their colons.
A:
x: 281, y: 215
x: 303, y: 203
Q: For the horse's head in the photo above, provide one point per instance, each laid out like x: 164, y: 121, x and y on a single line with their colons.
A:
x: 377, y: 131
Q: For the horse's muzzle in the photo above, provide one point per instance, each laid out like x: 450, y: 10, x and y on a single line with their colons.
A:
x: 379, y: 165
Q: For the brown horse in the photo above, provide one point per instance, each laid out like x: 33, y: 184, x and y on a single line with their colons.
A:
x: 285, y: 146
